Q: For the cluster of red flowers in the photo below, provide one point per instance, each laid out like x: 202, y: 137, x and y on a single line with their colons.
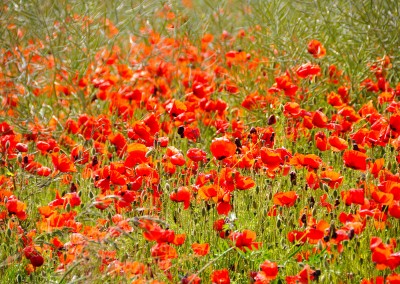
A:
x: 141, y: 145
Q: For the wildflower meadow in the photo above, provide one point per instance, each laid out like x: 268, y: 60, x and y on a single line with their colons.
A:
x: 191, y: 141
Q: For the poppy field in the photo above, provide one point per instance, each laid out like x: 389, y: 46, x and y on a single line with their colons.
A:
x: 200, y: 141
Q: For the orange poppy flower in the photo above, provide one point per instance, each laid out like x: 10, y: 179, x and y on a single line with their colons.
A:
x: 285, y: 198
x: 311, y: 161
x: 338, y: 144
x: 163, y: 251
x: 316, y: 49
x: 62, y: 163
x: 201, y: 249
x: 333, y: 179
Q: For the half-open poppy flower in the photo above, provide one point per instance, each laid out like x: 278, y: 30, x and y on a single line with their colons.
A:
x: 316, y: 49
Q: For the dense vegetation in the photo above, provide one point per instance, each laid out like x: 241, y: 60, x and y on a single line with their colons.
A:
x: 199, y: 141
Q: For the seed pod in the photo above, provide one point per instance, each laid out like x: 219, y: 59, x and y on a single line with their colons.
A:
x: 19, y: 157
x: 271, y: 119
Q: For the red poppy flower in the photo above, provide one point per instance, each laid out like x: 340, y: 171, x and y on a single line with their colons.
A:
x: 355, y: 160
x: 271, y: 158
x: 395, y: 122
x: 244, y: 240
x: 17, y: 207
x: 182, y: 195
x: 197, y: 155
x: 222, y: 148
x: 34, y: 256
x: 270, y: 269
x: 308, y: 69
x: 223, y: 208
x: 319, y: 119
x: 321, y: 141
x: 191, y: 279
x: 136, y: 154
x: 355, y: 196
x: 220, y: 277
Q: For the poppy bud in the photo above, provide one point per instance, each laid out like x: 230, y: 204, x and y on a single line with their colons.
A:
x: 312, y: 201
x: 22, y: 147
x: 304, y: 219
x: 73, y: 188
x: 332, y: 231
x: 316, y: 274
x: 271, y: 139
x: 351, y: 234
x: 271, y: 119
x: 37, y: 260
x: 238, y: 143
x: 293, y: 177
x: 94, y: 161
x: 19, y: 157
x: 8, y: 232
x: 181, y: 130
